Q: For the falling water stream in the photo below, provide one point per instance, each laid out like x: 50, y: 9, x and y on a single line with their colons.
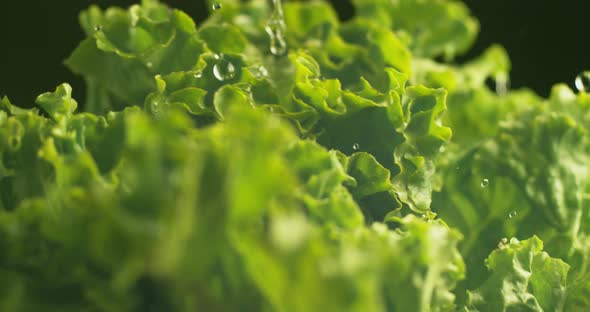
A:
x: 275, y: 27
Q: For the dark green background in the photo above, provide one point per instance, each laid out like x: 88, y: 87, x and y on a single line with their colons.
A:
x: 547, y: 40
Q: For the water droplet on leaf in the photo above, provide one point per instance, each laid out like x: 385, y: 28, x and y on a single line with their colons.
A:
x: 155, y: 107
x: 224, y: 70
x: 356, y: 146
x: 216, y: 6
x: 98, y: 28
x: 583, y: 81
x: 198, y: 74
x: 260, y: 72
x: 512, y: 214
x: 485, y: 183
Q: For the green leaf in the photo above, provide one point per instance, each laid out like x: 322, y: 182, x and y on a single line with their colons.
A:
x: 303, y: 18
x: 223, y: 38
x: 59, y: 102
x: 435, y: 27
x: 522, y: 277
x: 120, y: 56
x: 423, y: 138
x: 332, y: 178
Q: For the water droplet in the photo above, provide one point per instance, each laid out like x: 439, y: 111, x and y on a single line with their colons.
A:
x: 485, y: 183
x: 216, y: 6
x: 224, y: 70
x: 260, y: 72
x: 155, y: 107
x: 275, y: 28
x: 583, y: 81
x: 512, y: 214
x: 198, y: 74
x: 98, y: 28
x: 218, y: 56
x: 356, y: 146
x: 278, y: 45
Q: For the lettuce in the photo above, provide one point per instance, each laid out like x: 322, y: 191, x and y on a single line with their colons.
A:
x: 523, y: 278
x: 354, y: 172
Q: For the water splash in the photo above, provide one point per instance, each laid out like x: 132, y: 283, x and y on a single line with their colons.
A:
x: 275, y: 28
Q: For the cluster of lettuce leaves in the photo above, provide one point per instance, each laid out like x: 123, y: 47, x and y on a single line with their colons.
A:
x: 361, y: 171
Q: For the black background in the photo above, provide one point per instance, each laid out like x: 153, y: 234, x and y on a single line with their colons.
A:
x: 547, y: 40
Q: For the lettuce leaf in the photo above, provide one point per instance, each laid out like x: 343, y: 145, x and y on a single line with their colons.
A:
x: 283, y: 234
x: 355, y: 172
x: 523, y: 277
